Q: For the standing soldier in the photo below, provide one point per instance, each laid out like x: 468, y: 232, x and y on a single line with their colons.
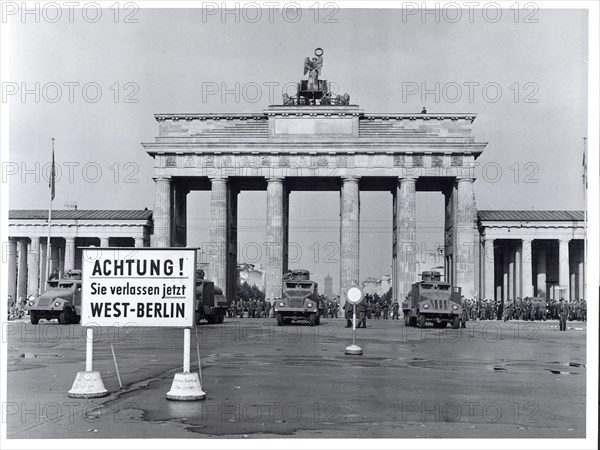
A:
x: 362, y: 313
x: 378, y: 310
x: 395, y: 310
x: 369, y: 308
x: 386, y: 309
x: 348, y: 314
x: 563, y: 313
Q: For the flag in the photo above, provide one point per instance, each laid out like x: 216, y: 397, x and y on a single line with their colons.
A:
x: 52, y: 175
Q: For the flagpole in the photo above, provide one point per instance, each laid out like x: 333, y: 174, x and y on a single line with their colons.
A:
x: 48, y: 245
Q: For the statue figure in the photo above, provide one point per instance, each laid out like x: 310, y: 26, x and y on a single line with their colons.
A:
x: 287, y: 100
x: 313, y: 67
x: 342, y: 100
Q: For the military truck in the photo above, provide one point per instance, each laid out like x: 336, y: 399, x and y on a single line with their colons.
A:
x: 299, y: 300
x: 62, y: 300
x: 211, y: 304
x: 434, y: 301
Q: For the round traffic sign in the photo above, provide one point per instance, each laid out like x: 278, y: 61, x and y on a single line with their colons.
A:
x: 354, y: 295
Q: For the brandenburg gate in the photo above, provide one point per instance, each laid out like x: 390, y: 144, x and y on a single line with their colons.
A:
x: 318, y: 141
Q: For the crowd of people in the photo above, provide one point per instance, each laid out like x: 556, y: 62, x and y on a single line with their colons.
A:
x: 255, y: 308
x: 528, y: 309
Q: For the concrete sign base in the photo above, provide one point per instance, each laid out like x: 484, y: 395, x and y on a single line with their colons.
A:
x: 88, y: 385
x: 186, y: 386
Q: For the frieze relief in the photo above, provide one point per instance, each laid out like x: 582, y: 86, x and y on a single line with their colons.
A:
x: 426, y: 165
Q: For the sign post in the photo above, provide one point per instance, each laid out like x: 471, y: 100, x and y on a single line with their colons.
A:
x: 354, y: 296
x: 88, y: 384
x: 144, y: 287
x: 186, y: 385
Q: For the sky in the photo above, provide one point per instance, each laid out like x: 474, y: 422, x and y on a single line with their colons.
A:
x: 525, y: 77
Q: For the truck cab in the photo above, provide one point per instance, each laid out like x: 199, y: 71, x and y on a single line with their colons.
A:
x: 300, y: 300
x: 433, y: 301
x: 211, y: 304
x: 62, y: 300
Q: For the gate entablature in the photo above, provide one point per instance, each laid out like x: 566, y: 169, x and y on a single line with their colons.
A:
x: 320, y: 142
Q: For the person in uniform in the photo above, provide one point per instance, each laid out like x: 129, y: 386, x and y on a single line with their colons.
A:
x: 563, y: 313
x: 386, y: 309
x: 53, y: 275
x: 395, y: 310
x: 362, y: 313
x: 348, y: 309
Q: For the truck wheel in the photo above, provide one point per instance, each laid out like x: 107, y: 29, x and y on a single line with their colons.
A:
x: 412, y: 321
x: 34, y: 318
x: 211, y: 319
x: 65, y: 317
x: 77, y: 319
x: 422, y: 321
x: 456, y: 322
x: 443, y: 324
x: 279, y: 319
x: 312, y: 320
x: 318, y: 320
x: 406, y: 319
x: 221, y: 318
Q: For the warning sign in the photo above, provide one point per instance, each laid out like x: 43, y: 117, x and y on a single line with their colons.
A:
x: 148, y: 287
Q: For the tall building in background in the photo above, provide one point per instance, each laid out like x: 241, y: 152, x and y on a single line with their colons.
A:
x: 328, y: 287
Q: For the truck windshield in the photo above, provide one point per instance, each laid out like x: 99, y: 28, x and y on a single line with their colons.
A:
x: 297, y: 293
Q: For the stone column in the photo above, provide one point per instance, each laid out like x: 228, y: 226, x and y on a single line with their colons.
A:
x: 12, y: 268
x: 139, y: 241
x: 406, y: 229
x: 43, y: 268
x: 573, y: 264
x: 541, y: 271
x: 489, y: 269
x: 61, y: 259
x: 162, y: 212
x: 104, y: 242
x: 22, y: 269
x: 563, y: 265
x: 217, y: 253
x: 505, y: 276
x: 275, y: 238
x: 349, y: 236
x: 511, y: 272
x: 69, y: 254
x: 526, y: 269
x: 395, y: 293
x: 465, y: 245
x: 33, y: 266
x: 581, y: 273
x: 518, y: 270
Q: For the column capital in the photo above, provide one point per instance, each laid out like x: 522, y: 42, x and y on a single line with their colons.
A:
x: 351, y: 178
x: 407, y: 179
x: 464, y: 179
x: 163, y: 178
x: 273, y: 179
x: 218, y: 178
x: 564, y: 240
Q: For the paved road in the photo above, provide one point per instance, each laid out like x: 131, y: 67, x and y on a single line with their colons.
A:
x: 492, y: 379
